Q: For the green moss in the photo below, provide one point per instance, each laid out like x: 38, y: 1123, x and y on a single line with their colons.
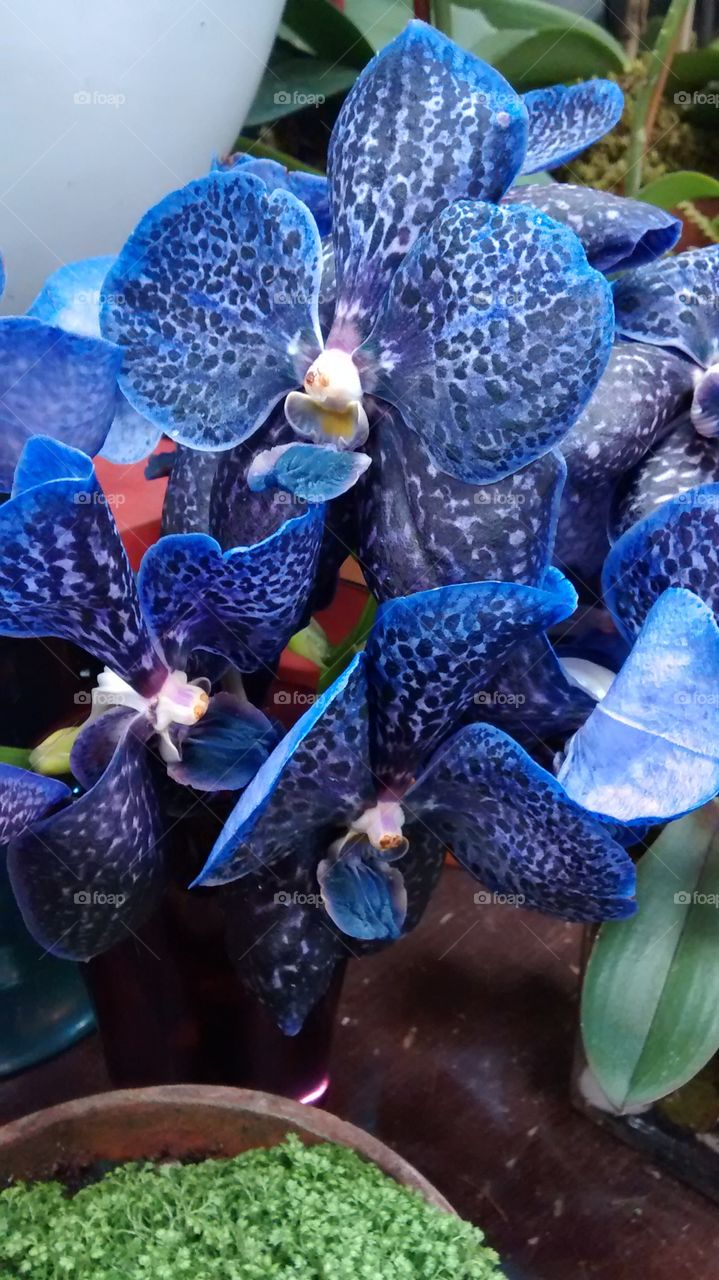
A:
x: 678, y: 144
x: 286, y: 1213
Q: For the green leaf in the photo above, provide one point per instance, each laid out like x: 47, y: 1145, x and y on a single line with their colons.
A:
x: 19, y: 756
x: 650, y: 1004
x: 536, y: 16
x: 379, y: 20
x: 554, y: 56
x: 311, y: 643
x: 673, y: 188
x: 693, y: 70
x: 328, y: 32
x: 293, y: 82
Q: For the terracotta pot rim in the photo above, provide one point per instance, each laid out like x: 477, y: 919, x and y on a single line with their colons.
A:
x: 190, y: 1098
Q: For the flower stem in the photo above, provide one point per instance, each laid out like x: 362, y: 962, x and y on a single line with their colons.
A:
x: 649, y: 98
x: 422, y: 10
x: 344, y: 652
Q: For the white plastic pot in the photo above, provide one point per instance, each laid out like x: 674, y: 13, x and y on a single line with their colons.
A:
x: 105, y: 106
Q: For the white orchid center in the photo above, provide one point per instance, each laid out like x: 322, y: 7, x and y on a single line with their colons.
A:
x: 178, y: 701
x: 333, y: 380
x: 382, y: 825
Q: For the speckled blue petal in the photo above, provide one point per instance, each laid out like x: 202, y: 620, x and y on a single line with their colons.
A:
x: 429, y: 654
x: 512, y: 825
x: 424, y: 124
x: 86, y: 877
x: 24, y: 797
x: 650, y: 749
x: 186, y: 508
x: 281, y: 941
x: 531, y: 697
x: 683, y: 460
x: 310, y: 472
x: 63, y: 569
x: 492, y: 338
x: 242, y: 604
x: 676, y: 546
x: 565, y: 119
x: 70, y: 297
x: 224, y: 750
x: 642, y: 390
x: 97, y: 743
x: 582, y: 541
x: 310, y: 188
x: 419, y: 528
x: 318, y: 776
x: 364, y: 894
x: 3, y: 277
x: 55, y: 384
x: 617, y: 233
x: 238, y: 516
x: 131, y: 436
x: 673, y: 303
x: 214, y: 302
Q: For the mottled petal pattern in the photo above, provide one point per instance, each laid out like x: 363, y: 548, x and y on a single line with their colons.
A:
x: 650, y: 749
x: 424, y: 124
x: 419, y: 528
x: 673, y: 303
x: 617, y: 233
x: 318, y: 777
x: 512, y: 825
x: 239, y: 517
x: 429, y: 654
x: 131, y: 436
x: 186, y: 508
x: 310, y: 188
x: 242, y: 604
x: 24, y: 797
x: 63, y: 569
x: 683, y: 460
x: 676, y: 546
x: 214, y: 302
x: 97, y: 742
x: 531, y: 697
x: 55, y: 384
x: 86, y: 877
x: 492, y: 338
x: 641, y: 392
x: 582, y: 540
x: 281, y: 940
x: 565, y: 119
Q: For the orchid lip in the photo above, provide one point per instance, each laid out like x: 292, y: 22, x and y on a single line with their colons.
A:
x: 178, y: 702
x: 382, y: 825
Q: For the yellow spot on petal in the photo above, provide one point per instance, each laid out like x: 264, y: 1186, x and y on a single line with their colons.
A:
x: 338, y: 425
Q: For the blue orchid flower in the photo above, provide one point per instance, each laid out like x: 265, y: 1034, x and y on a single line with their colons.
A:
x: 53, y: 383
x: 342, y: 833
x: 195, y: 608
x: 439, y: 289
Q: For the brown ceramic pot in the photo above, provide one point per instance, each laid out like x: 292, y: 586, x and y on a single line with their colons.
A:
x: 178, y: 1122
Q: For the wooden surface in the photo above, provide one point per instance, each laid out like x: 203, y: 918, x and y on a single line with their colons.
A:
x: 455, y: 1048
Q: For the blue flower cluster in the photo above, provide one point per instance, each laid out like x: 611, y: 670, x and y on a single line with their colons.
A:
x: 420, y: 358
